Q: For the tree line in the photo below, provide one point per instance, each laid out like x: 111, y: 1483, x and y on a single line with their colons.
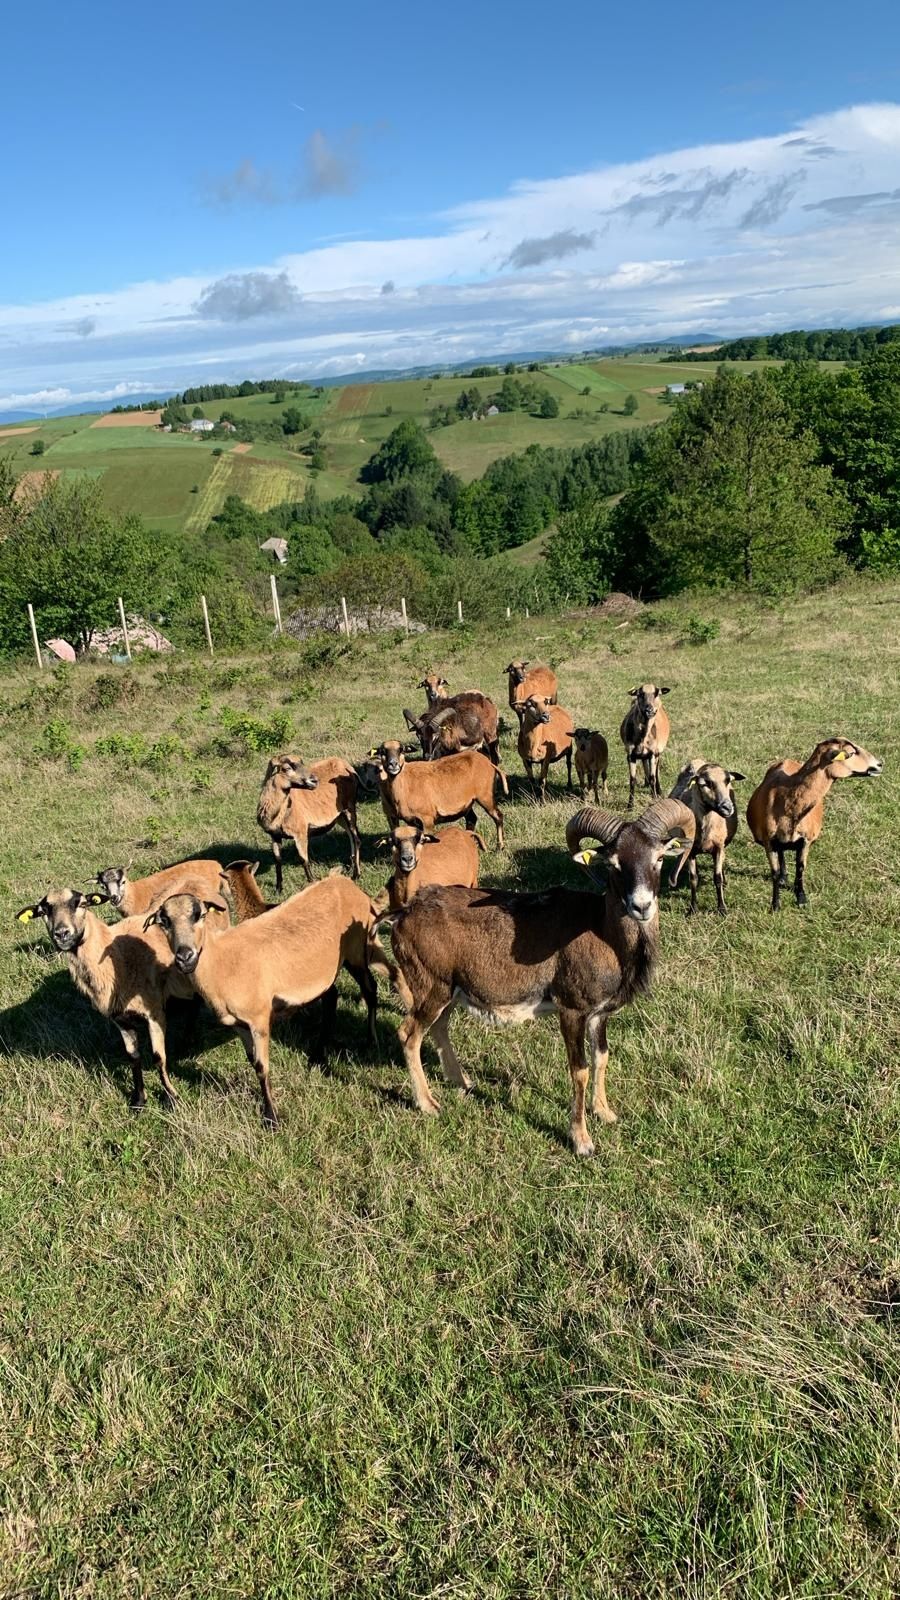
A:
x: 819, y: 344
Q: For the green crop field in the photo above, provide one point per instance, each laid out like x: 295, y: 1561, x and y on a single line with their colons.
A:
x: 354, y: 421
x: 383, y: 1356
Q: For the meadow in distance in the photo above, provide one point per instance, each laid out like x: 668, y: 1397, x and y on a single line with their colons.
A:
x: 176, y: 482
x: 382, y: 1354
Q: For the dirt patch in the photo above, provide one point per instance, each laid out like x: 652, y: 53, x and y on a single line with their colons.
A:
x: 33, y: 483
x: 129, y: 419
x: 14, y: 433
x: 354, y: 399
x: 242, y: 449
x: 700, y: 349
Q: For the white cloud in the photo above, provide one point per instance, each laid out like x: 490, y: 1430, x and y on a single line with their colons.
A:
x: 802, y: 227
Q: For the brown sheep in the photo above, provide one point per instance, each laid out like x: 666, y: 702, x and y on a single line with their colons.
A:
x: 420, y: 858
x: 299, y: 800
x: 645, y: 734
x: 591, y: 760
x: 277, y: 962
x: 510, y: 957
x: 136, y: 898
x: 428, y: 792
x: 246, y: 895
x: 474, y: 711
x: 545, y: 736
x: 527, y: 682
x: 124, y: 970
x: 707, y: 790
x: 435, y: 687
x: 787, y: 810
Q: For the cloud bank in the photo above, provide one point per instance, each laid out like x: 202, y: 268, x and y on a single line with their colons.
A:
x: 800, y: 228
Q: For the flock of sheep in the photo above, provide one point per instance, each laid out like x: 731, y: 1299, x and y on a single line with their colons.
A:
x: 506, y: 956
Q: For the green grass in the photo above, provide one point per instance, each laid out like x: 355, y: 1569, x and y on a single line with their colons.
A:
x: 160, y: 487
x: 379, y: 1356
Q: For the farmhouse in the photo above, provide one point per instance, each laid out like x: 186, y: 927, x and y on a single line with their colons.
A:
x: 201, y: 425
x: 277, y: 548
x: 674, y: 388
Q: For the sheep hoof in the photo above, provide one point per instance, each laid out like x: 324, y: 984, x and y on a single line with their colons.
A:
x: 606, y: 1114
x: 802, y: 900
x: 429, y: 1108
x: 582, y: 1144
x: 137, y: 1105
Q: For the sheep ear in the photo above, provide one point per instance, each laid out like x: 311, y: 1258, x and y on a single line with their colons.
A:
x: 215, y: 905
x: 673, y: 847
x: 665, y: 691
x: 585, y: 857
x: 149, y: 921
x: 96, y: 898
x: 375, y: 751
x: 736, y: 777
x: 632, y: 692
x: 442, y: 683
x: 28, y: 913
x: 429, y: 838
x: 383, y: 842
x: 254, y: 868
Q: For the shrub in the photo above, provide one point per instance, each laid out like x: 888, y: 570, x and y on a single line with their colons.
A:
x: 38, y: 448
x: 253, y: 735
x: 698, y: 631
x: 56, y: 742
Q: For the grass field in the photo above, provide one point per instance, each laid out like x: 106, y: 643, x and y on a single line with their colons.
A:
x: 379, y: 1356
x: 354, y: 421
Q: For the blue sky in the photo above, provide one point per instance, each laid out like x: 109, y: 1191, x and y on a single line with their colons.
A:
x: 226, y: 190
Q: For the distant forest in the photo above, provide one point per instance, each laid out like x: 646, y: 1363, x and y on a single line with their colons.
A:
x: 820, y: 344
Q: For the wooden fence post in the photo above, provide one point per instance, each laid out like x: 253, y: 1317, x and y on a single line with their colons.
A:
x: 507, y: 613
x: 206, y: 623
x: 124, y: 628
x: 276, y: 604
x: 459, y: 614
x: 405, y: 617
x: 37, y: 648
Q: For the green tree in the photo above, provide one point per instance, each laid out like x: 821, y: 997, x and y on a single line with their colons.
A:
x: 197, y: 411
x: 581, y: 554
x: 293, y: 420
x: 630, y: 405
x: 727, y: 493
x: 69, y: 556
x: 313, y: 550
x: 405, y: 453
x: 548, y: 405
x: 38, y: 448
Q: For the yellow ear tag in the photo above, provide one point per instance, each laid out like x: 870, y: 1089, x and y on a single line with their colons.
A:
x: 584, y: 857
x: 25, y: 916
x: 95, y: 899
x: 373, y: 751
x: 841, y: 756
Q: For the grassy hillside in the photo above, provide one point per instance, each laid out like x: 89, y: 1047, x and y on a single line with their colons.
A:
x: 157, y: 475
x: 380, y: 1356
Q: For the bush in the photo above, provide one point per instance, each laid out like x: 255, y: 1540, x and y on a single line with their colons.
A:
x: 57, y: 744
x: 253, y: 735
x: 698, y: 631
x: 38, y: 448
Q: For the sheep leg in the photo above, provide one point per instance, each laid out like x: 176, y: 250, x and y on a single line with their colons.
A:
x: 632, y: 779
x: 368, y: 988
x: 130, y: 1040
x: 572, y: 1024
x: 605, y: 784
x: 326, y: 1024
x: 279, y: 877
x: 494, y: 751
x: 802, y: 853
x: 349, y: 824
x: 496, y: 817
x: 719, y: 880
x: 545, y: 768
x: 569, y: 770
x: 471, y: 819
x: 256, y: 1043
x: 411, y: 1033
x: 158, y: 1046
x: 452, y: 1066
x: 599, y: 1058
x: 776, y: 867
x: 301, y: 840
x: 694, y: 876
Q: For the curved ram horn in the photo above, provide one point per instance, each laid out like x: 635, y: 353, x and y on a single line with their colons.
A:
x: 593, y: 822
x: 667, y: 819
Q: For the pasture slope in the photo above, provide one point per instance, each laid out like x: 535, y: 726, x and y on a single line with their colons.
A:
x: 160, y: 476
x: 376, y: 1355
